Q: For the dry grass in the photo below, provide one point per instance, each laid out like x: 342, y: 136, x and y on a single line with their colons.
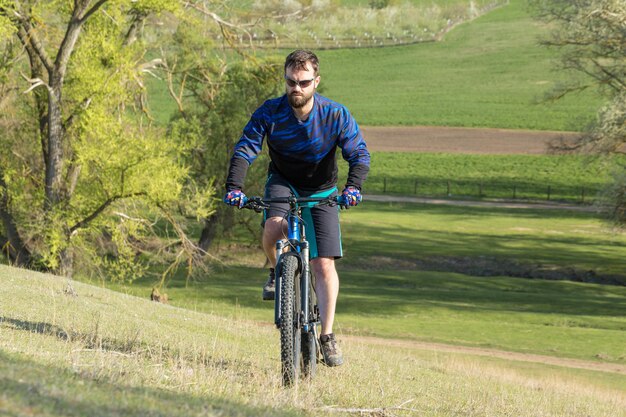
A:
x: 95, y: 352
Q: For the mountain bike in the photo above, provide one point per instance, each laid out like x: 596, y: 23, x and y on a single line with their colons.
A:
x: 296, y: 313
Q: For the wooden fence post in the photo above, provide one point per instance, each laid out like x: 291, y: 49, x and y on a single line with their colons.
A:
x: 448, y: 188
x: 514, y: 192
x: 549, y: 191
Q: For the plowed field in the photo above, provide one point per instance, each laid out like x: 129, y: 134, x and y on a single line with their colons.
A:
x: 460, y: 140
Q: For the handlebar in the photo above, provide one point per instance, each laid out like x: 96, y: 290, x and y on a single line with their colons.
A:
x: 258, y: 204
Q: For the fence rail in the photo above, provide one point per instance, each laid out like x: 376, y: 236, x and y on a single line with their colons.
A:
x: 422, y: 187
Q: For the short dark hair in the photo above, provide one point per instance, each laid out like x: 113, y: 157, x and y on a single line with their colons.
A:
x: 299, y: 58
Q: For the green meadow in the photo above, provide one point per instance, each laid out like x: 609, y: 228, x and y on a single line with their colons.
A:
x: 489, y: 72
x: 447, y: 274
x: 573, y: 178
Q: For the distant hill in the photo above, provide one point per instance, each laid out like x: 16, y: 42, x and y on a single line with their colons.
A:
x: 489, y: 72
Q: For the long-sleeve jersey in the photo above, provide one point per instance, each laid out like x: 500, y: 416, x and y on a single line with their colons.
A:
x: 303, y: 152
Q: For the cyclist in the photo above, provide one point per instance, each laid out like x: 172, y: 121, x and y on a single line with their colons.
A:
x: 303, y: 131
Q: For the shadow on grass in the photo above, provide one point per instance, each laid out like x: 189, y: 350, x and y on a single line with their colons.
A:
x: 517, y: 255
x: 31, y: 388
x: 398, y: 292
x: 91, y: 340
x: 497, y: 239
x: 126, y: 346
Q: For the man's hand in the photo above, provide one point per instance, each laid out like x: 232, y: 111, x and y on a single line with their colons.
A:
x: 235, y: 198
x: 350, y: 197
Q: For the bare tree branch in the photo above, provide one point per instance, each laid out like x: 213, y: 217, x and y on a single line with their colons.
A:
x: 223, y: 23
x: 30, y: 40
x: 91, y: 11
x: 84, y: 222
x: 35, y: 82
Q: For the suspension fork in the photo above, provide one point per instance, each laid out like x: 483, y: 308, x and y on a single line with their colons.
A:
x: 305, y: 287
x: 280, y: 246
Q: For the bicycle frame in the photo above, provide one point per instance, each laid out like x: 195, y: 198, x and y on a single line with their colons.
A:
x: 299, y: 322
x: 296, y: 240
x: 299, y: 247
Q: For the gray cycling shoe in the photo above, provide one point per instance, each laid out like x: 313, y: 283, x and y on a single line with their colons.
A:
x: 269, y: 289
x: 330, y: 350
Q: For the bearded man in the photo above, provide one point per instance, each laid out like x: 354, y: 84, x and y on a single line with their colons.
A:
x: 303, y: 131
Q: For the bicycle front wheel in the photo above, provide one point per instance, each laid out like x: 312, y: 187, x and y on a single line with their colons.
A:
x: 290, y: 317
x: 309, y: 339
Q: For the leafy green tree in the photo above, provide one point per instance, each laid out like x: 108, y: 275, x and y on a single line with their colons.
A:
x: 591, y: 36
x: 87, y: 175
x: 215, y: 95
x: 79, y: 152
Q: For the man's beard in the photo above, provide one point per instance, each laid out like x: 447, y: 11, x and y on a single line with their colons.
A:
x: 299, y: 101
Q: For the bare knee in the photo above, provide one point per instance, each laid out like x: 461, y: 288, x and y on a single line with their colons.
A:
x: 275, y: 228
x: 323, y: 267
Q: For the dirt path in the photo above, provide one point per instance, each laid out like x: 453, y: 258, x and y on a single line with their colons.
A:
x: 459, y: 139
x: 491, y: 203
x: 494, y: 353
x: 615, y: 368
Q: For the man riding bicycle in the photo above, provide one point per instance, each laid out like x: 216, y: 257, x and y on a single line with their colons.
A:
x: 303, y: 131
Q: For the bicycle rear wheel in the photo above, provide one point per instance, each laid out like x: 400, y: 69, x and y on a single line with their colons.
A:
x: 290, y: 316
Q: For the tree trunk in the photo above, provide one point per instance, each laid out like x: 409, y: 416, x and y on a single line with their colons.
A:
x: 12, y: 244
x: 66, y: 263
x: 54, y: 168
x: 208, y: 234
x: 222, y: 216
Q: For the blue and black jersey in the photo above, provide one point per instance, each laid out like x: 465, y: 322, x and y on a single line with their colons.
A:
x: 303, y: 152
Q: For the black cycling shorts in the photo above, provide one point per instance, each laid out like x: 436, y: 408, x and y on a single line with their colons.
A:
x: 321, y: 222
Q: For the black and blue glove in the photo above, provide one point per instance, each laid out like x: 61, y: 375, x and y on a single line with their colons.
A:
x: 350, y: 197
x: 235, y: 198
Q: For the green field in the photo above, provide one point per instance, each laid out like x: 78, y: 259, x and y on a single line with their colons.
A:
x: 485, y: 73
x: 87, y: 351
x: 489, y: 72
x: 439, y: 273
x: 573, y: 178
x: 100, y: 353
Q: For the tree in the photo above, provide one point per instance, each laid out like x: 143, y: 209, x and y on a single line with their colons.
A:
x: 79, y: 146
x: 89, y: 174
x: 591, y: 37
x: 215, y: 95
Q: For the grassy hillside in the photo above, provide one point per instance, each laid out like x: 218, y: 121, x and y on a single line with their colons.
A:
x: 485, y: 73
x: 489, y: 72
x: 92, y: 352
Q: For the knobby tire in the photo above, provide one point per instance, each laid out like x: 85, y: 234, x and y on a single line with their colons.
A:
x: 309, y: 342
x: 289, y: 323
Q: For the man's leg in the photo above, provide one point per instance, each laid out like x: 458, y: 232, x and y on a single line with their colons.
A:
x: 275, y: 228
x: 327, y: 290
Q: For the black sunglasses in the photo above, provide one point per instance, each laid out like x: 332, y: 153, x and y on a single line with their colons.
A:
x: 302, y: 83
